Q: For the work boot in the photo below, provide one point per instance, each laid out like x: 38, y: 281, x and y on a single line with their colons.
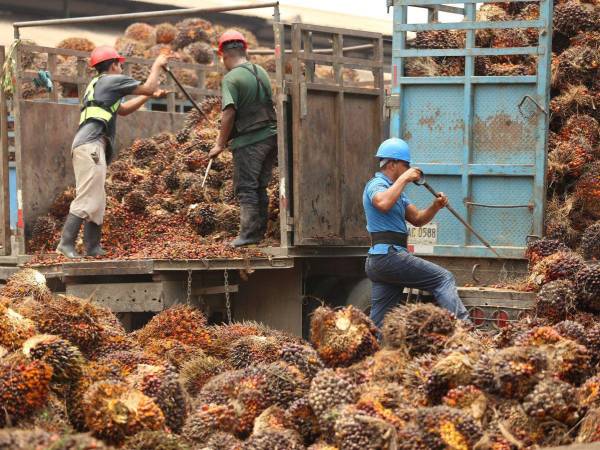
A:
x: 263, y: 211
x: 66, y: 246
x: 249, y: 226
x: 92, y: 235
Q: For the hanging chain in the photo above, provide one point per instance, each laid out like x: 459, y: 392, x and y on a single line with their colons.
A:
x: 189, y: 286
x: 227, y: 297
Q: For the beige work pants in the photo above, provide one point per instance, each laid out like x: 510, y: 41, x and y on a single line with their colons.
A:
x: 89, y: 163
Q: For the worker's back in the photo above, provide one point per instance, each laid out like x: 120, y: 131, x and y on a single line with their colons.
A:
x: 242, y: 89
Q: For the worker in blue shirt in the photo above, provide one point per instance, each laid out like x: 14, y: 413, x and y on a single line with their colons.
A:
x: 390, y: 266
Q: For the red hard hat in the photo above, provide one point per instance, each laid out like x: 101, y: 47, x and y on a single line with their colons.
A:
x: 229, y: 36
x: 104, y: 53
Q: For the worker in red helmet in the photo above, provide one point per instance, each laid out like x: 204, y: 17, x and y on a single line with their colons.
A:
x: 94, y: 143
x: 249, y: 128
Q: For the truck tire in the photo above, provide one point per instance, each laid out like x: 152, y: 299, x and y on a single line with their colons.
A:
x: 360, y: 296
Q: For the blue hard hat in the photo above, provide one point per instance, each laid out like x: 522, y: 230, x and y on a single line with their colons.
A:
x: 394, y: 148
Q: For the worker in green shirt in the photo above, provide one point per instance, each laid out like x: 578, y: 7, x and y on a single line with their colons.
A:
x: 249, y: 127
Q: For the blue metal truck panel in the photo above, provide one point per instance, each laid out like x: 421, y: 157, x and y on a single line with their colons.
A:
x: 480, y: 139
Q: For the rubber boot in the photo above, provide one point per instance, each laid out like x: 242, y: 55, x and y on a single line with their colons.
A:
x: 263, y: 211
x: 66, y: 246
x: 249, y: 226
x: 92, y: 235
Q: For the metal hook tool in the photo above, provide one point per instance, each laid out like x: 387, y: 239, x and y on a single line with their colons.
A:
x: 426, y: 185
x: 189, y: 97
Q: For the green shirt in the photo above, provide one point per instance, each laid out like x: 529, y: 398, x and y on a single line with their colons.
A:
x: 239, y: 88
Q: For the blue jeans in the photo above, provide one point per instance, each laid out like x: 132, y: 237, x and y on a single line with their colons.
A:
x: 392, y: 272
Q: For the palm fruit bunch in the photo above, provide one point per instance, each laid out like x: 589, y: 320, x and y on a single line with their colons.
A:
x: 65, y: 359
x: 299, y: 416
x: 23, y: 439
x: 165, y: 33
x: 136, y: 201
x: 78, y: 321
x: 589, y: 430
x: 202, y: 218
x: 143, y: 150
x: 444, y: 427
x: 451, y: 371
x: 201, y: 52
x: 222, y: 440
x: 14, y: 328
x: 558, y: 266
x: 171, y: 350
x: 93, y: 372
x: 569, y: 361
x: 553, y: 399
x: 590, y: 242
x: 588, y: 394
x: 284, y: 383
x: 274, y: 439
x: 155, y: 440
x: 196, y: 372
x: 567, y: 161
x: 45, y: 233
x: 419, y: 328
x: 161, y: 384
x: 26, y: 283
x: 556, y: 300
x: 342, y: 336
x: 251, y: 350
x: 124, y: 362
x: 588, y: 287
x: 354, y: 430
x: 572, y: 16
x: 415, y: 375
x: 226, y: 334
x: 386, y: 365
x: 467, y: 398
x: 190, y: 31
x: 24, y: 387
x: 141, y: 32
x: 541, y: 248
x: 181, y: 322
x: 208, y: 419
x: 511, y: 372
x: 572, y: 100
x: 573, y: 330
x: 247, y: 389
x: 303, y: 357
x: 587, y: 190
x: 60, y: 206
x: 113, y: 411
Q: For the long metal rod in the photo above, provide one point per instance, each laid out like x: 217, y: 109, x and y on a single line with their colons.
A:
x: 427, y: 186
x: 141, y: 15
x: 270, y: 51
x: 189, y: 97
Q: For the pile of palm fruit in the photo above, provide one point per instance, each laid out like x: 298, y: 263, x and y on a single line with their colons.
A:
x: 156, y: 205
x: 72, y: 377
x: 574, y: 145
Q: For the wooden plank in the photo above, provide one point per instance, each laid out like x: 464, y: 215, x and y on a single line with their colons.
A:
x: 332, y: 30
x: 337, y: 88
x: 309, y: 71
x: 212, y: 290
x: 18, y: 123
x: 111, y: 267
x: 358, y: 62
x: 52, y: 69
x: 122, y: 297
x: 4, y: 171
x: 43, y: 159
x: 223, y: 264
x: 282, y: 134
x: 81, y: 76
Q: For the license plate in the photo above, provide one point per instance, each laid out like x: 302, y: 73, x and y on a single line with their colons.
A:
x: 425, y: 235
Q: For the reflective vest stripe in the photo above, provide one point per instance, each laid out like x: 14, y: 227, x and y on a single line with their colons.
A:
x: 94, y: 111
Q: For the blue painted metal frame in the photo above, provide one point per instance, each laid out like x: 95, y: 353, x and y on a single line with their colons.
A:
x: 461, y: 161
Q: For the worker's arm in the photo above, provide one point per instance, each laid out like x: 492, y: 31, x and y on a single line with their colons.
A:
x: 136, y: 103
x: 384, y: 201
x: 422, y: 217
x: 151, y: 84
x: 227, y: 121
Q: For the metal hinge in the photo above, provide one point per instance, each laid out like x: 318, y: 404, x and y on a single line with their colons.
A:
x: 392, y: 101
x: 389, y: 4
